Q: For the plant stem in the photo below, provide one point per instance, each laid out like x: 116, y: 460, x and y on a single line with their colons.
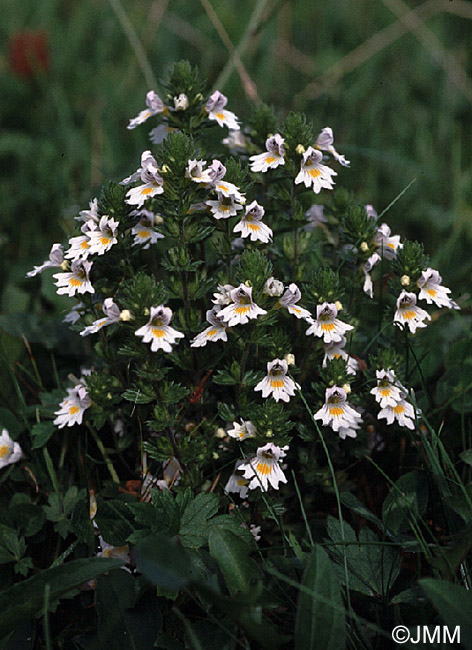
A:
x: 104, y: 453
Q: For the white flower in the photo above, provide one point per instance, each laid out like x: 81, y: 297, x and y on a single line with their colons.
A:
x: 215, y: 108
x: 196, y: 171
x: 336, y: 351
x: 325, y: 141
x: 289, y: 300
x: 273, y: 287
x: 104, y: 237
x: 272, y: 158
x: 116, y: 552
x: 371, y: 211
x: 337, y: 412
x: 349, y: 432
x: 313, y: 173
x: 236, y: 482
x: 143, y: 231
x: 224, y: 207
x: 252, y: 226
x: 264, y: 468
x: 236, y: 141
x: 242, y: 308
x: 229, y: 190
x: 290, y: 359
x: 216, y: 331
x: 388, y: 391
x: 157, y: 330
x: 74, y: 314
x: 91, y: 213
x: 80, y: 245
x: 387, y: 244
x: 276, y: 382
x: 154, y: 105
x: 71, y: 409
x: 112, y: 315
x: 56, y: 257
x: 242, y: 431
x: 408, y: 313
x: 367, y: 268
x: 326, y: 325
x: 181, y: 102
x: 160, y: 133
x: 315, y: 216
x: 152, y: 183
x: 403, y: 412
x: 76, y: 281
x: 223, y: 295
x: 10, y: 451
x: 255, y: 530
x: 431, y: 290
x: 217, y: 171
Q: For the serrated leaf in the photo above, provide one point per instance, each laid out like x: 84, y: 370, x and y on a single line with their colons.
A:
x: 113, y: 521
x: 26, y: 599
x: 41, y: 432
x: 193, y: 531
x: 138, y: 397
x: 320, y: 619
x: 407, y: 498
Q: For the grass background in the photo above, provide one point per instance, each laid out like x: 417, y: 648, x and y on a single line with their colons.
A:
x: 393, y: 79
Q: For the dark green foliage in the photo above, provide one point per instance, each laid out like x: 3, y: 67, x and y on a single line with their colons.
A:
x: 324, y: 286
x: 296, y: 130
x: 263, y: 123
x: 411, y: 260
x: 254, y: 268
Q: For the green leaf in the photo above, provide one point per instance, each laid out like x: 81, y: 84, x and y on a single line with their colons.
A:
x: 113, y: 519
x: 408, y: 498
x: 454, y: 605
x: 41, y: 432
x: 164, y: 562
x: 10, y: 423
x: 138, y: 397
x: 466, y: 456
x: 320, y: 616
x: 241, y: 573
x: 26, y: 599
x: 193, y: 531
x: 127, y: 624
x: 352, y: 502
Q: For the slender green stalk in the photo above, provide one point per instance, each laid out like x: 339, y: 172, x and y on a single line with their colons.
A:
x: 336, y: 491
x: 302, y: 508
x: 135, y: 43
x: 104, y: 453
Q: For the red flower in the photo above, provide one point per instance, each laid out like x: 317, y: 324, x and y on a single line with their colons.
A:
x: 28, y: 53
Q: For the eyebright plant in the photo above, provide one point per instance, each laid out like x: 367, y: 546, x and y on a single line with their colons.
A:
x: 250, y: 326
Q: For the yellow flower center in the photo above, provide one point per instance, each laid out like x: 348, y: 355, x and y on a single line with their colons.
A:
x: 4, y: 451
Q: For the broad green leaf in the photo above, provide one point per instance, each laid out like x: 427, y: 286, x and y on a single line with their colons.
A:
x: 193, y: 531
x: 113, y: 519
x: 41, y: 432
x: 124, y: 623
x: 9, y: 422
x: 454, y: 605
x: 320, y: 619
x: 241, y: 573
x: 26, y: 599
x: 407, y: 499
x: 164, y: 562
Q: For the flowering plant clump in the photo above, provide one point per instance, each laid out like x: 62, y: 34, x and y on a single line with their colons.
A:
x: 250, y: 327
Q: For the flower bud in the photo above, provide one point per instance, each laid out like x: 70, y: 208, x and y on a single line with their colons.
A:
x: 300, y: 149
x: 126, y: 315
x: 364, y: 247
x: 339, y: 305
x: 347, y: 388
x: 290, y: 359
x: 269, y: 433
x: 220, y: 433
x: 405, y: 280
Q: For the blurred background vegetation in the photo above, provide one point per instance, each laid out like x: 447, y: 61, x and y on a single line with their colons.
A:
x: 392, y: 78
